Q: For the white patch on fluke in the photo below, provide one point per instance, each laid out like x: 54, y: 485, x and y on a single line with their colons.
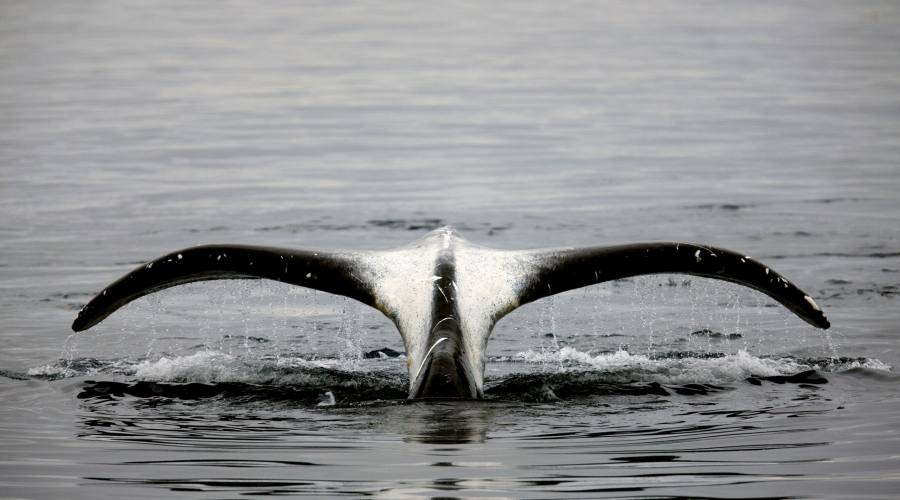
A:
x: 489, y: 283
x: 446, y: 239
x: 403, y: 286
x: 811, y: 302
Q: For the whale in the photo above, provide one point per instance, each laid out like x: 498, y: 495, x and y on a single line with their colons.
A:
x: 445, y: 293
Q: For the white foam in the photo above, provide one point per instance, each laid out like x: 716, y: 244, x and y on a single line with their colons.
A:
x: 867, y: 363
x: 77, y: 368
x: 327, y: 399
x: 210, y: 367
x: 624, y: 366
x: 52, y: 372
x: 204, y: 367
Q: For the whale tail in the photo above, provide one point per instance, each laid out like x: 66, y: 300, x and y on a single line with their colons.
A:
x: 554, y: 271
x: 542, y: 273
x: 331, y: 272
x: 415, y: 286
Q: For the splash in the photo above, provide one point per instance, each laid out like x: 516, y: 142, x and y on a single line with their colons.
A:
x: 684, y: 368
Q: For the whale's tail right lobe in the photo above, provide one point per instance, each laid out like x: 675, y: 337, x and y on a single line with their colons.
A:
x: 558, y: 270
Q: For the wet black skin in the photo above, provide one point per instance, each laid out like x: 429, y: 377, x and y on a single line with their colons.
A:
x: 445, y: 372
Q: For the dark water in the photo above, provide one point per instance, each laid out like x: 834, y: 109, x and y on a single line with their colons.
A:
x: 131, y: 129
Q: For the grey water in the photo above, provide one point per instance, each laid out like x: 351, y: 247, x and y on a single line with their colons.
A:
x: 131, y: 129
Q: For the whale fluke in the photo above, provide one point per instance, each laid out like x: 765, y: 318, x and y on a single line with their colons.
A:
x: 559, y: 270
x: 444, y: 293
x: 326, y: 271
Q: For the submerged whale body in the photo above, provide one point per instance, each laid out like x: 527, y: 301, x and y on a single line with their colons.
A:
x: 445, y: 293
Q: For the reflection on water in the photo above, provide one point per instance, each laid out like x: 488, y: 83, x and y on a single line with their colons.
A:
x: 218, y: 421
x: 653, y: 444
x: 446, y: 423
x: 597, y: 436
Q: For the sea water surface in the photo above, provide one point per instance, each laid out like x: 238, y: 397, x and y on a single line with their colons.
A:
x: 131, y: 129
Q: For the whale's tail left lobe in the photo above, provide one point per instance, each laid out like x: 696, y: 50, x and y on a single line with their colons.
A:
x: 331, y: 272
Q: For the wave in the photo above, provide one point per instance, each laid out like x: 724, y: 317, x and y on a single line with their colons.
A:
x: 529, y: 376
x: 688, y: 367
